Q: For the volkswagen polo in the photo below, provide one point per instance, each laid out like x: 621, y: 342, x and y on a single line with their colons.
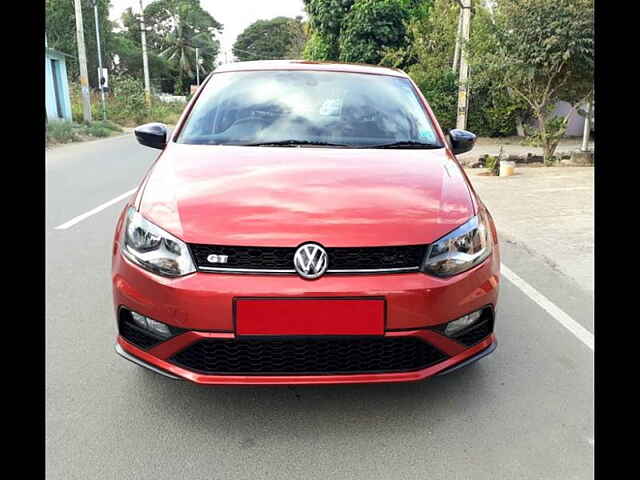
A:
x: 305, y: 223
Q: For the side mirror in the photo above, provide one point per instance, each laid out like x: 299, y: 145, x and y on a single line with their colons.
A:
x: 461, y: 140
x: 152, y: 135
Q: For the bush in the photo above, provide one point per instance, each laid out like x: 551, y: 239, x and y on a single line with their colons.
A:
x: 98, y: 131
x: 492, y: 163
x: 492, y: 112
x: 165, y: 112
x: 125, y: 106
x: 109, y: 125
x: 67, y: 132
x: 59, y: 131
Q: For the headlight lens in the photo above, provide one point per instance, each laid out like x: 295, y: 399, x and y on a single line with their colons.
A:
x: 460, y: 250
x: 154, y: 249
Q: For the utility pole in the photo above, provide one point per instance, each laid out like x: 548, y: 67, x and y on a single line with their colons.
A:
x: 82, y: 60
x: 463, y: 90
x: 104, y: 106
x: 456, y: 53
x: 587, y: 128
x: 197, y: 69
x: 145, y: 60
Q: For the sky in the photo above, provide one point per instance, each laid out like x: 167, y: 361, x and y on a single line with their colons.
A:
x: 235, y: 15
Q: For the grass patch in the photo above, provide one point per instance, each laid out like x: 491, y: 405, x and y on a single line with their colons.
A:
x: 126, y: 105
x: 59, y: 132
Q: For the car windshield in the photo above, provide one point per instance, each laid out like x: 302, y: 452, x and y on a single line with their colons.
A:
x: 309, y: 108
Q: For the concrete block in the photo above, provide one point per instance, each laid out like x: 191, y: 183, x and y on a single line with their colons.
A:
x: 582, y: 158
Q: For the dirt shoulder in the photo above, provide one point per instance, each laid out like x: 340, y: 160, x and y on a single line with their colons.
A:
x: 549, y: 210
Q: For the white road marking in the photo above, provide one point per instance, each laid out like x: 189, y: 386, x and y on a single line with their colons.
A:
x: 99, y: 208
x: 584, y: 335
x: 559, y: 189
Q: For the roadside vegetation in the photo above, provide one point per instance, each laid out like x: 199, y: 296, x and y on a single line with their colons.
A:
x: 524, y: 57
x: 66, y: 132
x: 125, y: 104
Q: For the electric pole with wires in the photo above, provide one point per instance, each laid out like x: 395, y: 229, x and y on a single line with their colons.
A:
x: 145, y: 60
x: 100, y: 73
x: 82, y: 60
x: 463, y: 88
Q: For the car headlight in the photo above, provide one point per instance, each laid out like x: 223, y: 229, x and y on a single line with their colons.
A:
x: 153, y: 249
x: 460, y: 250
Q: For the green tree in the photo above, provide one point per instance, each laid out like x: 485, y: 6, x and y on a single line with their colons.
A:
x: 325, y: 22
x: 542, y: 51
x: 299, y: 36
x: 363, y: 31
x: 177, y: 28
x: 372, y: 25
x: 270, y: 39
x: 60, y: 24
x: 432, y: 52
x: 492, y: 110
x: 129, y: 54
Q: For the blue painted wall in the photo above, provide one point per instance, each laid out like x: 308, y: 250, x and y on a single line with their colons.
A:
x: 49, y: 90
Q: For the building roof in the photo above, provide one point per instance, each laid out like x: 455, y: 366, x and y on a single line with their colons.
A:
x: 51, y: 51
x: 309, y: 65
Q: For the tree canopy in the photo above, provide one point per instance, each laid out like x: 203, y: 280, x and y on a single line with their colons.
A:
x: 543, y: 52
x: 360, y: 31
x: 278, y: 38
x: 524, y: 55
x: 60, y: 24
x: 177, y: 28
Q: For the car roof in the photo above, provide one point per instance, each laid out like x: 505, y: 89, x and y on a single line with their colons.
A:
x: 309, y: 65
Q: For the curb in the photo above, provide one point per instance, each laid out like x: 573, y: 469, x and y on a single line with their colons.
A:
x: 93, y: 140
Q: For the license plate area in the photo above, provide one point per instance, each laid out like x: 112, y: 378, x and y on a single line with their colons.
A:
x: 309, y: 316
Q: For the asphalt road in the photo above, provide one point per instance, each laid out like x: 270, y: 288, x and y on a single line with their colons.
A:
x: 526, y: 411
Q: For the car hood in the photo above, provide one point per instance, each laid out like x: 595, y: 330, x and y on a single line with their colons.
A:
x: 283, y: 196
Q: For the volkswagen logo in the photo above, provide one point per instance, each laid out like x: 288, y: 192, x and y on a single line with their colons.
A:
x: 310, y: 260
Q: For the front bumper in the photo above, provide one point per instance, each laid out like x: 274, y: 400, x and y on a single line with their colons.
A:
x: 201, y: 306
x: 163, y: 367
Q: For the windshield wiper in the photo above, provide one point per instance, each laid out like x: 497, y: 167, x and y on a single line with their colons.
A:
x: 292, y: 143
x: 406, y: 144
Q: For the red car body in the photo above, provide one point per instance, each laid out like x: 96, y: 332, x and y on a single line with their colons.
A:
x: 283, y: 197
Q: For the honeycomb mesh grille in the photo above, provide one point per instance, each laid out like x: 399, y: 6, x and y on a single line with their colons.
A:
x: 339, y: 258
x: 291, y: 356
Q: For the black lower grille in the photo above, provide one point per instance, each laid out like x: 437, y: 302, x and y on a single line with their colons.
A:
x: 296, y: 356
x: 339, y: 258
x: 477, y: 333
x: 134, y: 334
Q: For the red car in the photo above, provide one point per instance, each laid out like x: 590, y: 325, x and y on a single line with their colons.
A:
x: 305, y: 223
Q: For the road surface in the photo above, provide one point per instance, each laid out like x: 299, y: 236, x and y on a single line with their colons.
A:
x: 524, y: 412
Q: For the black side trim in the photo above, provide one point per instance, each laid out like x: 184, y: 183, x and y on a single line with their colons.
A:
x: 124, y: 354
x: 470, y: 360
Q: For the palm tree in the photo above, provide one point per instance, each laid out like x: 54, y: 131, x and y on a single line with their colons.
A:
x: 179, y: 27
